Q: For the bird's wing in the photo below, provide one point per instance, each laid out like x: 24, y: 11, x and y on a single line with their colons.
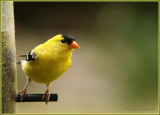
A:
x: 34, y: 54
x: 30, y: 56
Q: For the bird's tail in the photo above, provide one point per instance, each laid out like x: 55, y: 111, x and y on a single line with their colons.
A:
x: 21, y: 62
x: 18, y: 62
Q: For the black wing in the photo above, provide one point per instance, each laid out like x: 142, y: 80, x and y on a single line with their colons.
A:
x: 30, y: 56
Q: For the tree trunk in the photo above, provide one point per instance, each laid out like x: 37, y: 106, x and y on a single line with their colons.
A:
x: 8, y: 59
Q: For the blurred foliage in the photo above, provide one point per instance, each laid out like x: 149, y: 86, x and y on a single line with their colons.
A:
x: 116, y: 66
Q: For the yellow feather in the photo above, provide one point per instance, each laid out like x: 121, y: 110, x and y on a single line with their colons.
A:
x: 52, y: 59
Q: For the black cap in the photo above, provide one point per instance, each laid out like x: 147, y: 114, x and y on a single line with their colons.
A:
x: 67, y: 39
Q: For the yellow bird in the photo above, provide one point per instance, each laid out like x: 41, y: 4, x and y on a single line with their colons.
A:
x: 48, y: 61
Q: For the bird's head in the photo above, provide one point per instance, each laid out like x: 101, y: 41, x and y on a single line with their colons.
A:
x: 61, y: 45
x: 64, y: 42
x: 69, y: 41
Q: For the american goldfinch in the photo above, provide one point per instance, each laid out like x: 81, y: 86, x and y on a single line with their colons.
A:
x: 48, y: 61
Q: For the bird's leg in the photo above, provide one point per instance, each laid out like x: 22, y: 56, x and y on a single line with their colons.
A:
x: 23, y: 92
x: 47, y: 94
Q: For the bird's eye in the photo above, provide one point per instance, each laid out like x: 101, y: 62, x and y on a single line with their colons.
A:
x: 63, y: 41
x: 67, y: 41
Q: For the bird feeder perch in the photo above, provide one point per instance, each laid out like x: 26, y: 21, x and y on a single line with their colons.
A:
x: 36, y: 98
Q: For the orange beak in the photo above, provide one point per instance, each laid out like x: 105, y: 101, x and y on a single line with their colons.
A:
x: 74, y: 45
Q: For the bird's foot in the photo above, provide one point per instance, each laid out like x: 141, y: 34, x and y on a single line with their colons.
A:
x: 46, y: 96
x: 22, y: 94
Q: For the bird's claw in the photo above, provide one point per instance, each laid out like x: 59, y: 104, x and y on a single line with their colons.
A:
x: 22, y: 94
x: 46, y: 96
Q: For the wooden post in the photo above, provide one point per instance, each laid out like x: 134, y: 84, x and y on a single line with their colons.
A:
x: 8, y: 59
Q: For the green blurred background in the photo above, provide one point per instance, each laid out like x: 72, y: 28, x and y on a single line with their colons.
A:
x: 114, y: 71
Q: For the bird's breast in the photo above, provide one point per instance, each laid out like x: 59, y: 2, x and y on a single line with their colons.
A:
x: 46, y: 70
